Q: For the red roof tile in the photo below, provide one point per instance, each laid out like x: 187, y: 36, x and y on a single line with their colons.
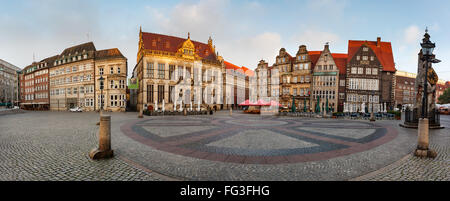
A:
x: 153, y: 41
x: 341, y: 62
x: 383, y: 52
x: 229, y: 65
x: 243, y: 69
x: 314, y: 57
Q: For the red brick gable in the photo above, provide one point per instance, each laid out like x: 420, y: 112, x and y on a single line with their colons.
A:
x: 153, y: 41
x: 383, y: 51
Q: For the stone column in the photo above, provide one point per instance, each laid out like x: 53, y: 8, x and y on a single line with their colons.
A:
x: 423, y: 140
x: 104, y: 148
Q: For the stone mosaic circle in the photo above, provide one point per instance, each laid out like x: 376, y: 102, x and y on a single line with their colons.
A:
x: 248, y: 140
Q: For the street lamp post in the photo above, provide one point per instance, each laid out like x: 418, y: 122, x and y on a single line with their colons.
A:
x: 423, y: 136
x: 101, y: 79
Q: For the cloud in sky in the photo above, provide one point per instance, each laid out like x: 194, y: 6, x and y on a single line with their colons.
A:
x: 412, y: 34
x: 244, y: 32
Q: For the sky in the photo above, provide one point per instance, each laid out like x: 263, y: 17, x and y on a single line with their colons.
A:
x: 243, y: 31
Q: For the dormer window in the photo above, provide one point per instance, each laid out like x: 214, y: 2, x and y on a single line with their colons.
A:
x: 365, y: 49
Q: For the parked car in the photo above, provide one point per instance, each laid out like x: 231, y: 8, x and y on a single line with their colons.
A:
x: 76, y: 109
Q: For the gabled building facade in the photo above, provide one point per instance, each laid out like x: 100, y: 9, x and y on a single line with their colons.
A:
x: 301, y: 78
x: 370, y: 76
x: 169, y: 68
x: 325, y: 86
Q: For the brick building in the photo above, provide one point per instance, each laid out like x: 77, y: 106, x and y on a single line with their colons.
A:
x: 370, y: 75
x: 35, y: 85
x: 404, y: 89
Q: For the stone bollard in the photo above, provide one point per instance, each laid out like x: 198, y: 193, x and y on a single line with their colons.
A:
x: 185, y: 112
x: 141, y: 115
x: 104, y: 148
x: 231, y: 111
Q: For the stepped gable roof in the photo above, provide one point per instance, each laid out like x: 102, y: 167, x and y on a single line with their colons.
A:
x: 79, y: 49
x: 153, y: 41
x: 340, y: 59
x: 108, y: 53
x: 383, y: 51
x: 341, y: 62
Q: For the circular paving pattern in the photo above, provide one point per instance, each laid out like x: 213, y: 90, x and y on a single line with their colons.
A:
x: 256, y: 140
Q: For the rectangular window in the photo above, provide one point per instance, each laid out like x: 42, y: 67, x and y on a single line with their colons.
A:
x: 368, y: 71
x: 365, y: 58
x: 118, y: 70
x: 354, y: 70
x: 342, y: 83
x: 74, y: 69
x: 171, y: 72
x: 161, y: 71
x: 122, y: 84
x: 374, y: 71
x: 111, y: 86
x: 171, y: 93
x: 75, y: 90
x: 150, y: 70
x: 111, y: 71
x: 360, y: 70
x: 150, y: 94
x: 69, y: 90
x: 160, y: 93
x: 100, y: 71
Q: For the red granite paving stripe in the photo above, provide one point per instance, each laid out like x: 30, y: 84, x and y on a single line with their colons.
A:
x: 235, y: 159
x: 197, y: 154
x: 276, y: 159
x: 217, y: 157
x: 297, y: 158
x: 254, y: 160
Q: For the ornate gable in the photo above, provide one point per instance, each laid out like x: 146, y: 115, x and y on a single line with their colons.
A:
x: 187, y: 50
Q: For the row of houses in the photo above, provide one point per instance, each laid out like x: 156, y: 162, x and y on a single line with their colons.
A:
x: 365, y: 75
x: 175, y: 73
x: 73, y: 79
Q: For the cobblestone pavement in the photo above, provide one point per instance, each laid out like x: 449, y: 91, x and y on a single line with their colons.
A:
x: 54, y: 146
x: 411, y: 168
x: 48, y: 146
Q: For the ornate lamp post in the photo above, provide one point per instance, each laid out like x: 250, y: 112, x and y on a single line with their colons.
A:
x: 423, y: 138
x: 101, y: 79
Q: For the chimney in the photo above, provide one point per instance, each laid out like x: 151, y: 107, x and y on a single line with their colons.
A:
x: 378, y: 41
